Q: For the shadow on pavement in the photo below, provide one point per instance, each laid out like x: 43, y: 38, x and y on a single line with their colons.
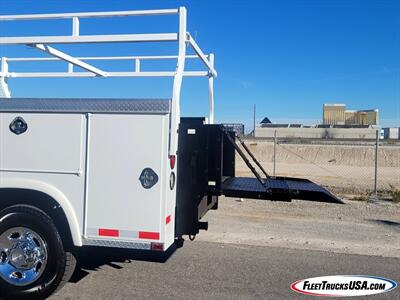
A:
x: 396, y: 225
x: 91, y: 258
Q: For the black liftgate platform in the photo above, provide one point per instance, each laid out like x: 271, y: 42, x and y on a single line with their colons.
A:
x: 269, y: 187
x: 206, y: 170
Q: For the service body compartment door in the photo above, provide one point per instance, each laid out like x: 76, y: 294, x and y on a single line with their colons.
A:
x: 51, y: 143
x: 120, y: 148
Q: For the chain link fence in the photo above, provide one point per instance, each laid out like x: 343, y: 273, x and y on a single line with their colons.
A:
x: 354, y: 167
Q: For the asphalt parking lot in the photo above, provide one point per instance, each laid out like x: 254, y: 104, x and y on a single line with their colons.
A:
x: 203, y: 270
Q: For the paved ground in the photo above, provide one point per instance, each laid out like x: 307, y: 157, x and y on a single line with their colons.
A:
x: 253, y: 250
x: 202, y: 270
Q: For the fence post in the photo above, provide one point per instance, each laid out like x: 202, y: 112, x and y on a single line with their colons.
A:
x: 274, y: 152
x: 376, y: 164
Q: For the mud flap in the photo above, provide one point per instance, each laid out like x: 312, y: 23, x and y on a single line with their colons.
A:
x: 277, y: 189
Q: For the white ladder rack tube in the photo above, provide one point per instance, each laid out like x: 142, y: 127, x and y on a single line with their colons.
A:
x: 87, y: 39
x: 70, y: 59
x: 177, y: 85
x: 211, y: 92
x: 109, y: 74
x: 201, y: 55
x: 128, y: 13
x: 4, y: 89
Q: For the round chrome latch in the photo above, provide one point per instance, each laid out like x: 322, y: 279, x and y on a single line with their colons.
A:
x: 18, y: 126
x: 148, y: 178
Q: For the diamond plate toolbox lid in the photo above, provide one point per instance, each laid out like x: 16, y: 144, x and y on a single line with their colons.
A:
x: 63, y: 105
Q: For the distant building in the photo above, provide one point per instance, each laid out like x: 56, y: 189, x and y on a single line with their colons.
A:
x: 362, y: 117
x: 336, y: 114
x: 266, y: 129
x: 236, y: 127
x: 265, y: 121
x: 339, y: 123
x: 391, y: 133
x: 330, y: 132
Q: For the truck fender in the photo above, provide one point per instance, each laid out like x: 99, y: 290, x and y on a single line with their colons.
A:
x: 54, y: 193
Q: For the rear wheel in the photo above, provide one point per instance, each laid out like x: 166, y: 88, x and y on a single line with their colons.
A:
x: 33, y: 262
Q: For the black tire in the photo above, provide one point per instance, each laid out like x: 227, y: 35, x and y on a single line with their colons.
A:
x: 59, y: 265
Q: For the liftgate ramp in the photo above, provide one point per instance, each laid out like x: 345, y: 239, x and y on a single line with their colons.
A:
x: 206, y: 170
x: 271, y: 187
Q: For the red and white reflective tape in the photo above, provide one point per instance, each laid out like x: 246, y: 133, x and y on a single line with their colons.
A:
x: 106, y: 232
x: 149, y: 235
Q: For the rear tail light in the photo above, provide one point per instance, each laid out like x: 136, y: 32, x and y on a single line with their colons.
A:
x: 172, y: 160
x: 157, y: 246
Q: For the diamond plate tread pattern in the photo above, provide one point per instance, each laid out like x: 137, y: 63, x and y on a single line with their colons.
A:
x: 243, y: 183
x: 277, y: 187
x: 138, y: 106
x: 117, y: 244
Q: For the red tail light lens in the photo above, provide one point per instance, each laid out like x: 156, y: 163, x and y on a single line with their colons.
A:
x: 157, y: 247
x: 172, y: 160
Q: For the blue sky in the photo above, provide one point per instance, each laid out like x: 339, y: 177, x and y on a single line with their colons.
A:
x: 287, y: 57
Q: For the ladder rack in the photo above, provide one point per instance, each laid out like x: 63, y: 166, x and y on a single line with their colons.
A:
x: 46, y: 44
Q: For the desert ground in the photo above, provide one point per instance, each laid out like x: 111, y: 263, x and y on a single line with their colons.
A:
x: 344, y: 168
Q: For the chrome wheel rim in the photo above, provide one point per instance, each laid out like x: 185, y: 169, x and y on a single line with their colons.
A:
x: 23, y: 256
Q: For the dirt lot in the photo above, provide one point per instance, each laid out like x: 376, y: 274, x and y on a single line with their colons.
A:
x: 356, y: 227
x: 343, y: 168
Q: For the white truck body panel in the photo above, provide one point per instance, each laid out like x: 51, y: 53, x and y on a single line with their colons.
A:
x: 118, y: 153
x: 92, y: 152
x: 54, y: 144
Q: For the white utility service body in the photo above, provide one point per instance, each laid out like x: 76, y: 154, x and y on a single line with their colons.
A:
x: 90, y: 153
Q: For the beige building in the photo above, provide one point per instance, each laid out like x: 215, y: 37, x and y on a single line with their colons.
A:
x: 336, y: 114
x: 350, y: 117
x: 368, y: 117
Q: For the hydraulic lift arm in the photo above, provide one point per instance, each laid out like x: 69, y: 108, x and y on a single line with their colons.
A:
x: 252, y: 156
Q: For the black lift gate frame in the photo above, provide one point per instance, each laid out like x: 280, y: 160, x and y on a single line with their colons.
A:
x: 206, y: 170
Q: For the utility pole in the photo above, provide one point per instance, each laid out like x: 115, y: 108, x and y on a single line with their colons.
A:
x: 254, y: 121
x: 275, y: 141
x: 376, y: 164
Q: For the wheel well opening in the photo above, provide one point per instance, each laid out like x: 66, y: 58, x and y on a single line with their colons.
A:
x: 12, y: 196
